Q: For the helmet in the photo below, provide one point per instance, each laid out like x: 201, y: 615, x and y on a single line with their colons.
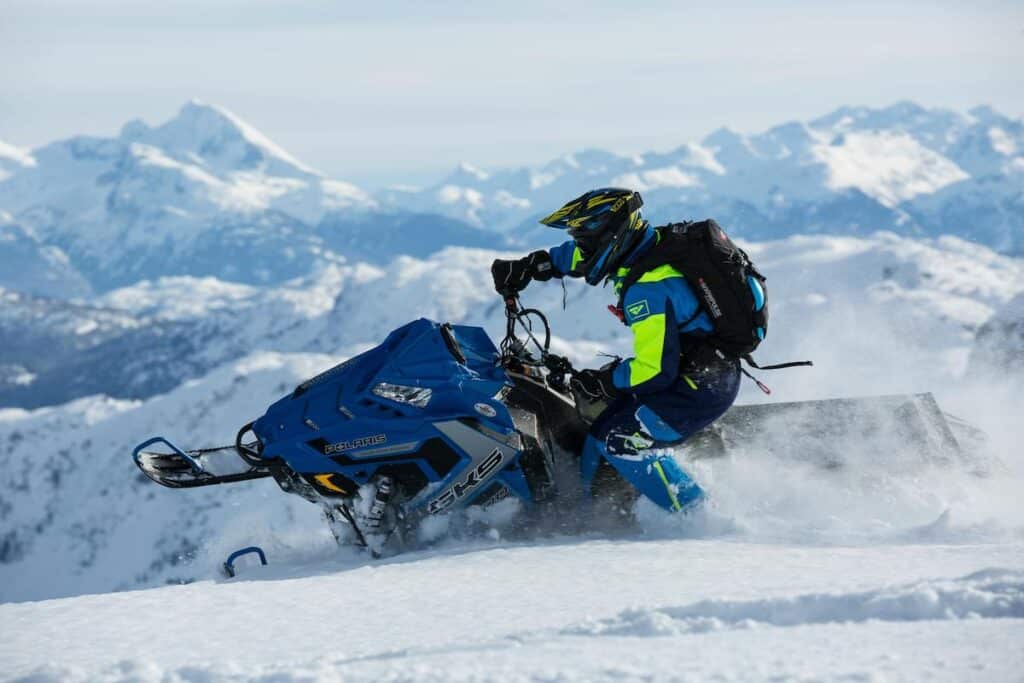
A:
x: 606, y: 225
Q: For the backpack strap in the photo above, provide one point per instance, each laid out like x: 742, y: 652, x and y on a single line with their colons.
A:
x: 777, y: 366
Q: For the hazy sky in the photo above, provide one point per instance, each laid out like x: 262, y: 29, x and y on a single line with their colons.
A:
x: 382, y: 92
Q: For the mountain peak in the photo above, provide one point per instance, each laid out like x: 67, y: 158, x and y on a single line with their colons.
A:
x: 723, y: 135
x: 904, y: 109
x: 219, y: 137
x: 986, y: 114
x: 203, y: 115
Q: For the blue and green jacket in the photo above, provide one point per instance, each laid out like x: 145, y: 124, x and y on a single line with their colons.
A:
x: 659, y: 308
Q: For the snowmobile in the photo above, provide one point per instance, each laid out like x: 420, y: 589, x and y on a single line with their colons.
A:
x: 434, y: 419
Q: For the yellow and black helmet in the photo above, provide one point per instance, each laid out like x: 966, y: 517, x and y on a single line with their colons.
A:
x: 605, y: 224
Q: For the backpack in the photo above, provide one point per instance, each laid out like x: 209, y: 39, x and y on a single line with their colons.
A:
x: 728, y: 286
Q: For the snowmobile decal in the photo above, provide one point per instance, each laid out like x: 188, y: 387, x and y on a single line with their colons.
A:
x: 342, y: 446
x: 325, y: 481
x: 473, y: 479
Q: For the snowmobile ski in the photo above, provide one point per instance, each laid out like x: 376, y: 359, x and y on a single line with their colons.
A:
x: 202, y: 467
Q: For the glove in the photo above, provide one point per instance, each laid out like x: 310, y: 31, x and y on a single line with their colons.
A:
x: 594, y: 391
x: 595, y: 385
x: 511, y: 277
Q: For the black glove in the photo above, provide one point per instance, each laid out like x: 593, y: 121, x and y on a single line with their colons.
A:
x: 595, y: 385
x: 510, y: 277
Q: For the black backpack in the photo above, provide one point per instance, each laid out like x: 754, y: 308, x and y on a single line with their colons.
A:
x: 727, y: 284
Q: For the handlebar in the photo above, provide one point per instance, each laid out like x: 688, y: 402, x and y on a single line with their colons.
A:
x: 514, y: 350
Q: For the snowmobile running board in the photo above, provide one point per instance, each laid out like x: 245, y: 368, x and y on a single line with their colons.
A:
x: 201, y: 467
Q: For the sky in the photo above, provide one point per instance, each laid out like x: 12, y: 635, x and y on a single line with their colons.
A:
x: 383, y: 93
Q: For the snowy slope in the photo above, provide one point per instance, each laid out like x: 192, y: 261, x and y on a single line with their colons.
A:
x: 29, y: 266
x: 591, y: 611
x: 76, y: 518
x: 168, y: 331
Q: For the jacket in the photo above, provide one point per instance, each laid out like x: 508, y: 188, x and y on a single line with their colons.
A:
x: 659, y: 309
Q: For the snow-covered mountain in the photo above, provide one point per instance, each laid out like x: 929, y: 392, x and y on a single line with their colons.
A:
x: 904, y: 168
x: 148, y: 338
x: 205, y: 194
x: 202, y: 194
x: 29, y: 266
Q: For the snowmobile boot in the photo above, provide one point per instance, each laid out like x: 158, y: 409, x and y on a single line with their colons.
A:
x: 658, y: 477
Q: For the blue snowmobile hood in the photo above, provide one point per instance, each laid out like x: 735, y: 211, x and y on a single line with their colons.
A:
x: 457, y: 363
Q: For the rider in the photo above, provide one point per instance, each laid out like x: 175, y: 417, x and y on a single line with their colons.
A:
x: 674, y: 385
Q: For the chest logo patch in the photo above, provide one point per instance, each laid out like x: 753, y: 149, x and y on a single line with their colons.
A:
x: 638, y: 311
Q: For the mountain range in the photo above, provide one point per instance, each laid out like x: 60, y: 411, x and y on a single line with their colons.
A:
x: 205, y: 194
x: 150, y: 258
x: 904, y: 168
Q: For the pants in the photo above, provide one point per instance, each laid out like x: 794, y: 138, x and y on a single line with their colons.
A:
x: 631, y: 427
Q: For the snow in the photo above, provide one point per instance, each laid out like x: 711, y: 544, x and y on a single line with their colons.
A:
x: 1002, y: 142
x: 992, y: 594
x: 177, y: 297
x: 23, y: 379
x: 13, y: 159
x: 199, y: 124
x: 699, y: 156
x: 670, y: 176
x: 449, y: 194
x: 891, y: 168
x: 575, y: 611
